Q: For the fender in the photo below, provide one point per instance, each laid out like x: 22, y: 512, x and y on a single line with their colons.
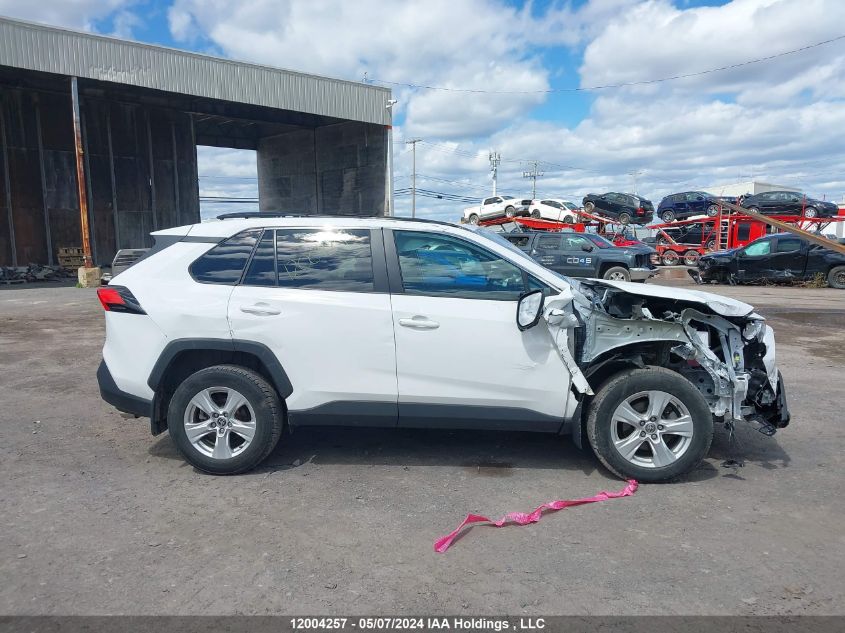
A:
x: 262, y: 352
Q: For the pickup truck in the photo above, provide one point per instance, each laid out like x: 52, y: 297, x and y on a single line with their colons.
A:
x: 779, y: 257
x: 575, y: 255
x: 495, y: 207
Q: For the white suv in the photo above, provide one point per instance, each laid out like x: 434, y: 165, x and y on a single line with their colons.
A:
x: 228, y: 331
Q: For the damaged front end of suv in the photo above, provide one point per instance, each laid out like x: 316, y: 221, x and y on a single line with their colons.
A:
x: 720, y: 345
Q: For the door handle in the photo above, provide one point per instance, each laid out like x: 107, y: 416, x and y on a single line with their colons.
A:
x: 419, y: 323
x: 261, y: 309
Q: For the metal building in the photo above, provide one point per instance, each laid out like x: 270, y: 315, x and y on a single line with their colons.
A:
x: 98, y: 140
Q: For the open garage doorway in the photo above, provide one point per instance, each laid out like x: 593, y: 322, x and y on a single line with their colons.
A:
x: 228, y: 180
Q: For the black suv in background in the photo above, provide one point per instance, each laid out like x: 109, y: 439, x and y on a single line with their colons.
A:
x: 625, y: 207
x: 576, y: 255
x: 789, y: 203
x: 680, y: 206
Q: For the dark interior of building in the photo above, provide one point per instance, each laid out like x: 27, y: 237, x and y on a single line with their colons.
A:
x: 139, y: 162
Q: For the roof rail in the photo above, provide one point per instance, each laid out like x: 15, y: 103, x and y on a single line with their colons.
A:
x: 247, y: 215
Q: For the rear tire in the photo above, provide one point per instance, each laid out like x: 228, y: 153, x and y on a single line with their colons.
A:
x: 670, y: 258
x: 216, y: 439
x: 626, y: 416
x: 624, y: 218
x: 712, y: 211
x: 836, y: 277
x: 691, y: 257
x: 617, y: 273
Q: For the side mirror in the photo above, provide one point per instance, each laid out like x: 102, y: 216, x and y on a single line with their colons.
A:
x: 586, y: 248
x: 529, y: 309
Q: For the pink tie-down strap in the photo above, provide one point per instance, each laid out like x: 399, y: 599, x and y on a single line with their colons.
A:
x: 520, y: 518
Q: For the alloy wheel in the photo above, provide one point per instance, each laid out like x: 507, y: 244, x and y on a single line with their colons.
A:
x: 220, y: 422
x: 652, y: 429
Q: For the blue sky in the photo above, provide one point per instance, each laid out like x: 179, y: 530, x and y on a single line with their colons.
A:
x: 778, y: 121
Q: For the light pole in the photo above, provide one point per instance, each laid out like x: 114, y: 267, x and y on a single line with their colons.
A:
x: 413, y: 143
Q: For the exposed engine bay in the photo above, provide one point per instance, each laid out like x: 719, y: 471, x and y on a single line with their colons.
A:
x: 720, y: 345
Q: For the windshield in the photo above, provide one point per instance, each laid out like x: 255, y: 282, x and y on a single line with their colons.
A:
x: 570, y: 206
x: 508, y: 198
x: 498, y: 239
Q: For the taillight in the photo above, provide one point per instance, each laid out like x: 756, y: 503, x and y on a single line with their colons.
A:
x: 640, y: 211
x: 119, y: 299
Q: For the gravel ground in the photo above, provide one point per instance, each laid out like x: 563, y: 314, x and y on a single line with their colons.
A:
x: 99, y: 517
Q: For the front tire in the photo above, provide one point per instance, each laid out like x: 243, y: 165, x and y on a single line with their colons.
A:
x: 836, y: 277
x: 617, y: 273
x: 589, y: 207
x: 225, y: 419
x: 473, y: 218
x: 668, y: 216
x: 650, y: 424
x: 510, y: 212
x: 536, y: 214
x: 811, y: 212
x: 712, y: 211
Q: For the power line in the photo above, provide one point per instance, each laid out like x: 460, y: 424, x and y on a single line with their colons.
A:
x: 619, y: 85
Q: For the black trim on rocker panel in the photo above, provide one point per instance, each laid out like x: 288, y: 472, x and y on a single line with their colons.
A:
x: 277, y: 372
x: 449, y: 416
x: 353, y: 413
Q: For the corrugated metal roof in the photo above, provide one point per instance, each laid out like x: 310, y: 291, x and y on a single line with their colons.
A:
x: 66, y: 52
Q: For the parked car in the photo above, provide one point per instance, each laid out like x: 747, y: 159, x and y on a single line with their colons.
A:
x: 789, y: 203
x: 624, y: 207
x: 557, y: 210
x: 495, y: 207
x: 229, y: 331
x: 680, y: 206
x: 632, y: 245
x: 779, y: 257
x: 578, y: 255
x: 693, y: 234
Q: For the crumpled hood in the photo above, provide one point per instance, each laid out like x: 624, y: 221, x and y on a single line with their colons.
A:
x: 724, y: 306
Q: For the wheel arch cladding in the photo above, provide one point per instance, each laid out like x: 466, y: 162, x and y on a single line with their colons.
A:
x: 183, y: 357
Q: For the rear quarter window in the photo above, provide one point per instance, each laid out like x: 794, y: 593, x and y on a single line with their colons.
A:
x: 224, y: 264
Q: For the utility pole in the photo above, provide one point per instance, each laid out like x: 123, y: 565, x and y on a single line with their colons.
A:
x: 634, y: 174
x: 495, y: 159
x: 413, y: 143
x: 533, y: 174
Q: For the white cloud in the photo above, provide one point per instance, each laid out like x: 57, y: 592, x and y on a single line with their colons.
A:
x: 655, y: 39
x: 77, y: 14
x: 471, y: 44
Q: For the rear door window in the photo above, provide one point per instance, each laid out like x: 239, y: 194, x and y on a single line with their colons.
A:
x: 224, y: 264
x: 548, y: 242
x: 788, y: 245
x: 325, y: 259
